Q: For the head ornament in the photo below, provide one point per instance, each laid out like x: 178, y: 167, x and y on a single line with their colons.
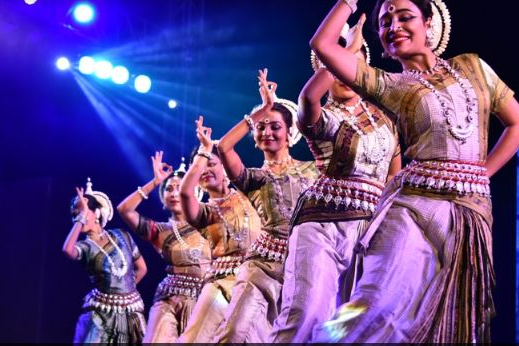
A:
x: 106, y: 210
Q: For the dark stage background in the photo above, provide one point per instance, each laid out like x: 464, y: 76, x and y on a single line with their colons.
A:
x: 58, y: 128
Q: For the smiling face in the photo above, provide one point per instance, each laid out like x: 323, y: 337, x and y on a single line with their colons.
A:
x: 271, y: 133
x: 213, y: 176
x: 171, y: 195
x: 402, y: 28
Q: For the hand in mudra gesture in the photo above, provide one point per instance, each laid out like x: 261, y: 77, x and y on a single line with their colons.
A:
x: 203, y: 133
x: 82, y: 207
x: 354, y: 38
x: 267, y: 89
x: 161, y: 170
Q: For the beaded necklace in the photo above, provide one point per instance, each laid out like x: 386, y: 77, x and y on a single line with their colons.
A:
x: 193, y: 253
x: 117, y: 272
x: 458, y: 131
x: 237, y: 235
x: 375, y: 145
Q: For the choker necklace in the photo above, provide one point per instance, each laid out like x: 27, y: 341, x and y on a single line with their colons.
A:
x: 117, y: 272
x: 337, y: 107
x: 237, y: 235
x: 430, y: 71
x: 278, y: 162
x: 193, y: 253
x: 459, y: 132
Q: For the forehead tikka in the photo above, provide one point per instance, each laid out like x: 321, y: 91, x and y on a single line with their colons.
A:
x: 391, y: 6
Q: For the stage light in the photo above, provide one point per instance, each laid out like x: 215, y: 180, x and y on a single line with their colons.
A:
x: 30, y: 2
x: 142, y: 83
x: 63, y: 64
x: 87, y: 65
x: 120, y: 75
x: 84, y: 13
x: 103, y: 69
x: 172, y: 104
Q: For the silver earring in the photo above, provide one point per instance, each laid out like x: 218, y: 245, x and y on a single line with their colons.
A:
x: 429, y: 38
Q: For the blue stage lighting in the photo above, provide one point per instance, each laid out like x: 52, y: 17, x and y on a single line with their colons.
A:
x: 172, y: 104
x: 84, y: 13
x: 62, y: 63
x: 87, y: 65
x: 142, y: 83
x: 103, y: 69
x: 120, y: 75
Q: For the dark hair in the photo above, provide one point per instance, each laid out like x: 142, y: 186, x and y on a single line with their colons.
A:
x: 343, y: 44
x: 423, y: 5
x: 195, y: 150
x: 92, y: 203
x: 285, y: 113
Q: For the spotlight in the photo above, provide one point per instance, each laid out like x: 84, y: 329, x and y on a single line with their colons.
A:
x: 120, y: 75
x: 83, y: 13
x: 103, y: 69
x: 30, y: 2
x: 142, y: 83
x: 87, y: 65
x: 63, y: 64
x: 172, y: 104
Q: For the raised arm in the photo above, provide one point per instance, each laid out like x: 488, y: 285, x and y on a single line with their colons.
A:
x: 230, y: 159
x: 325, y: 42
x: 309, y: 105
x: 188, y: 201
x: 81, y: 222
x: 508, y: 143
x: 127, y: 208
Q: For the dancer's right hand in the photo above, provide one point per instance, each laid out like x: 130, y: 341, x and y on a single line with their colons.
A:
x: 355, y: 39
x: 267, y: 89
x: 161, y: 170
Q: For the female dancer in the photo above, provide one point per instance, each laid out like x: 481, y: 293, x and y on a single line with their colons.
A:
x: 356, y: 149
x: 184, y: 250
x: 428, y: 252
x: 113, y: 310
x: 273, y: 190
x: 228, y: 221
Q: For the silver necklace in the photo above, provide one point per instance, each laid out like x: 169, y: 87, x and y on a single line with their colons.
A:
x: 237, y: 235
x: 278, y: 162
x: 337, y: 107
x: 278, y: 189
x: 117, y: 272
x: 458, y: 131
x: 375, y: 144
x: 193, y: 253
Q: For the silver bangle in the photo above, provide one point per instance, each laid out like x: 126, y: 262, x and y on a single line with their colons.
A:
x: 142, y: 193
x: 205, y: 154
x: 81, y: 219
x: 249, y: 121
x: 352, y: 4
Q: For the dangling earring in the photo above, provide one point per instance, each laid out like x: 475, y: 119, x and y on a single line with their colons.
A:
x: 199, y: 193
x: 386, y: 55
x: 429, y: 38
x: 255, y: 145
x: 98, y: 215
